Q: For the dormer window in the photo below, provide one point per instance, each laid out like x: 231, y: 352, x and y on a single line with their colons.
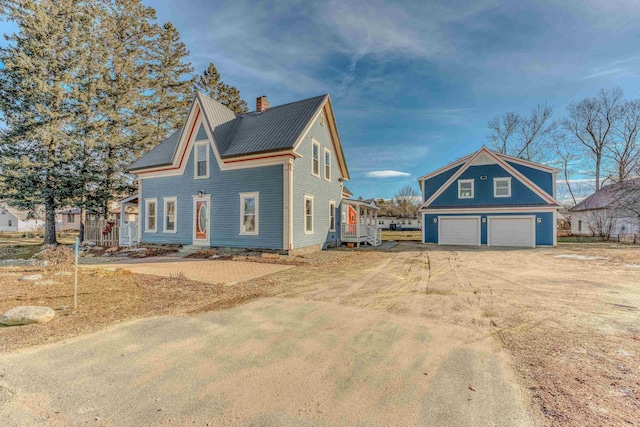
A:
x: 465, y: 189
x: 502, y: 187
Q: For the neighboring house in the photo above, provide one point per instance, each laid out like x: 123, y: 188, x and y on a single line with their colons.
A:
x: 613, y: 210
x: 269, y: 179
x: 490, y: 199
x: 398, y: 223
x: 68, y: 219
x: 12, y: 219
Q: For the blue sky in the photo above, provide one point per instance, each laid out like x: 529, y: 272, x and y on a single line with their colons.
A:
x: 413, y: 83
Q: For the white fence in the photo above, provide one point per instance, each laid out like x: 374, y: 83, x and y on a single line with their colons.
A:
x: 129, y: 234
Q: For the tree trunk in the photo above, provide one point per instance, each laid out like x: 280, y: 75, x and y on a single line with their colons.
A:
x: 50, y: 223
x: 598, y: 160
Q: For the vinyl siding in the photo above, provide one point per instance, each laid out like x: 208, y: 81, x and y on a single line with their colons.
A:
x: 432, y: 185
x: 542, y: 179
x: 544, y: 228
x: 224, y: 188
x: 483, y: 189
x: 322, y: 191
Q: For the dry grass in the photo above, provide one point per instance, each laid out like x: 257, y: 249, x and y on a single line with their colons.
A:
x: 402, y: 235
x: 109, y: 296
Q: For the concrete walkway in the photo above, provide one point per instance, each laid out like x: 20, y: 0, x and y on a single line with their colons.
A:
x: 202, y: 270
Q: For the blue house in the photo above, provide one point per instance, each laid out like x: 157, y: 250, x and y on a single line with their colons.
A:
x: 268, y: 179
x: 490, y: 199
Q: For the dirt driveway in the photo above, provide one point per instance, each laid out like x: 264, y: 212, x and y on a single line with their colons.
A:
x: 412, y: 337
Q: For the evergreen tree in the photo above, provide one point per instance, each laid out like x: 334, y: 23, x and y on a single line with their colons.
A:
x: 127, y: 31
x: 37, y: 94
x: 171, y: 83
x: 211, y: 84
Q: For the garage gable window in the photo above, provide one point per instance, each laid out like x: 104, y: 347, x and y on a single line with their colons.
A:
x: 502, y: 187
x: 465, y: 189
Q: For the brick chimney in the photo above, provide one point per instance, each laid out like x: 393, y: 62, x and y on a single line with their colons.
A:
x: 262, y: 104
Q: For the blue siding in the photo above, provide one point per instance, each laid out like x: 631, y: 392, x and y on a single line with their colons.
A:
x: 483, y: 189
x: 322, y: 191
x: 202, y: 134
x: 542, y: 179
x: 432, y: 185
x: 544, y: 228
x: 224, y: 188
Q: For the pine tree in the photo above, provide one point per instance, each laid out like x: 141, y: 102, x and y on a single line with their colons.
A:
x: 171, y: 82
x: 127, y: 31
x: 37, y: 94
x: 211, y: 84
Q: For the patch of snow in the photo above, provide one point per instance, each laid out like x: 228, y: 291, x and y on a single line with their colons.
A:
x: 632, y: 265
x: 576, y: 256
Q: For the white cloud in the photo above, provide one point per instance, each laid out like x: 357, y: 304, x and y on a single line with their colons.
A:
x: 386, y: 174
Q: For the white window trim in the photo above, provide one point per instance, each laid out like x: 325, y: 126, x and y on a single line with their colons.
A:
x: 495, y: 186
x: 322, y: 119
x: 465, y: 181
x: 332, y: 211
x: 315, y: 143
x: 243, y: 196
x: 324, y: 168
x: 146, y: 215
x: 165, y: 200
x: 195, y: 159
x: 313, y: 214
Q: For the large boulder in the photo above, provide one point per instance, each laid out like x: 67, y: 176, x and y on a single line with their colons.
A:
x: 26, y: 315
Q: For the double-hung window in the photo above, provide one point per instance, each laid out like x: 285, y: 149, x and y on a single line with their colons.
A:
x: 151, y: 213
x: 308, y: 214
x: 316, y: 159
x: 327, y: 164
x: 332, y: 216
x: 502, y: 187
x: 201, y: 160
x: 465, y: 189
x: 249, y: 213
x: 170, y: 208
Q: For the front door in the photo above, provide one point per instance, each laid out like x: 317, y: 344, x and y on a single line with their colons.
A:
x: 201, y: 220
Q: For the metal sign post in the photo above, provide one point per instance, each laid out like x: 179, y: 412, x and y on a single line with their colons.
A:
x: 75, y: 280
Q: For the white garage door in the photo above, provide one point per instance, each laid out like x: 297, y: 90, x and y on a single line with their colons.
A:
x: 511, y: 231
x: 459, y: 231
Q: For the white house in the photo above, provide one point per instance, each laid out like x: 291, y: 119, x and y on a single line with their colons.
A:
x: 17, y: 220
x: 397, y: 223
x: 612, y: 210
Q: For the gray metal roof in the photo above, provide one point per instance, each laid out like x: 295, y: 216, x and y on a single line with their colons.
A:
x: 274, y: 129
x: 625, y: 192
x: 277, y: 128
x: 160, y: 155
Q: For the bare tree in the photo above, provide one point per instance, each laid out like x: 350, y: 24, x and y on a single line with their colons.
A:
x: 526, y: 137
x: 591, y: 122
x: 601, y: 223
x: 625, y: 151
x: 502, y: 129
x: 566, y: 156
x: 407, y: 201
